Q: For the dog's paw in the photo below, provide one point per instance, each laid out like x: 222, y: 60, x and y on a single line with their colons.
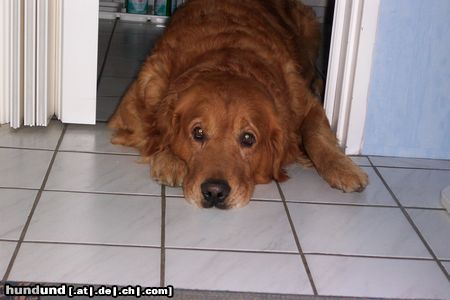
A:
x: 343, y: 174
x: 168, y: 169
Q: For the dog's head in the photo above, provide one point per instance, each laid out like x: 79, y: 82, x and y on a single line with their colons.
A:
x: 228, y: 133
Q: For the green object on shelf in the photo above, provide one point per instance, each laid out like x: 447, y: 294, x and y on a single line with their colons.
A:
x: 163, y: 7
x: 137, y: 6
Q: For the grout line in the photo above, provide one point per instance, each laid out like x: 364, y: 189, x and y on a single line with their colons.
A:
x: 26, y: 148
x: 370, y: 256
x: 137, y: 154
x: 90, y: 244
x: 102, y: 68
x: 426, y: 208
x: 261, y: 200
x: 8, y: 240
x: 232, y: 250
x: 297, y: 241
x: 319, y: 203
x: 411, y: 222
x: 343, y: 204
x: 103, y: 153
x: 18, y: 188
x: 296, y: 253
x: 221, y: 250
x: 412, y: 168
x: 101, y: 193
x: 255, y: 200
x: 162, y: 273
x: 33, y: 208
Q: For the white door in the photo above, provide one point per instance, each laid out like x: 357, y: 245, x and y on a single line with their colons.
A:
x: 48, y: 53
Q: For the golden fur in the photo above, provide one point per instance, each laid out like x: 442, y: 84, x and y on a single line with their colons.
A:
x: 228, y: 94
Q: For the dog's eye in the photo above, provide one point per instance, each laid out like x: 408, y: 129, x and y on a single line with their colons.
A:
x: 198, y: 134
x: 247, y: 139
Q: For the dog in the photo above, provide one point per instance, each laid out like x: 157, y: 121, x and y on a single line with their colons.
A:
x: 227, y: 98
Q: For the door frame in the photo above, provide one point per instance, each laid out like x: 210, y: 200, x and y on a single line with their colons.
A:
x: 79, y: 64
x: 349, y: 70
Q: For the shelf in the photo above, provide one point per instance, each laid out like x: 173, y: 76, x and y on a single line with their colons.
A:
x: 161, y: 20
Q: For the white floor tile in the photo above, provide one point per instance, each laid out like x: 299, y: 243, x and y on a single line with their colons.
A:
x: 417, y: 188
x: 105, y: 26
x: 120, y: 67
x: 6, y: 252
x: 375, y: 277
x: 355, y: 230
x: 267, y: 191
x: 174, y: 191
x: 247, y: 272
x: 106, y: 106
x: 410, y: 162
x: 435, y: 227
x: 305, y: 185
x: 87, y: 264
x: 15, y: 206
x: 88, y: 172
x: 31, y: 137
x: 100, y: 219
x: 447, y: 266
x: 360, y: 160
x: 103, y: 42
x: 258, y: 226
x: 113, y: 86
x: 131, y: 46
x: 23, y: 168
x: 92, y: 138
x: 100, y: 59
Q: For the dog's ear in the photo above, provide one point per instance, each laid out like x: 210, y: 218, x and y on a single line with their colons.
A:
x: 270, y: 158
x: 161, y: 125
x: 278, y: 143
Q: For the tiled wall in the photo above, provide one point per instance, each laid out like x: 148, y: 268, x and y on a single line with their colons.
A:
x: 409, y: 98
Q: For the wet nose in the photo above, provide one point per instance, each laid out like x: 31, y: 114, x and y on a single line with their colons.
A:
x: 215, y: 191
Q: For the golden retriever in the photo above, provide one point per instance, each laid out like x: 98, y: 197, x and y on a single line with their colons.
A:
x: 227, y: 99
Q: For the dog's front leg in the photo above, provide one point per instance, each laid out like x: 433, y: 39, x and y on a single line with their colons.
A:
x: 321, y: 147
x: 167, y: 168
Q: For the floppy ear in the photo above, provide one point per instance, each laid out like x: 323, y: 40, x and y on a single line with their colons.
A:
x: 285, y: 150
x: 161, y: 125
x: 278, y: 143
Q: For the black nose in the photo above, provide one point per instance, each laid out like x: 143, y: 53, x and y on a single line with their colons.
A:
x: 215, y: 191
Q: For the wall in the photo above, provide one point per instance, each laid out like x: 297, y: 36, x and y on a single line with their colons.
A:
x: 409, y: 97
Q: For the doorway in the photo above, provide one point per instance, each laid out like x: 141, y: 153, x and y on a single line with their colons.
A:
x: 122, y: 49
x: 123, y: 46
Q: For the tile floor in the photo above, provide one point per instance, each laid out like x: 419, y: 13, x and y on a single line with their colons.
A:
x: 123, y: 47
x: 76, y: 209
